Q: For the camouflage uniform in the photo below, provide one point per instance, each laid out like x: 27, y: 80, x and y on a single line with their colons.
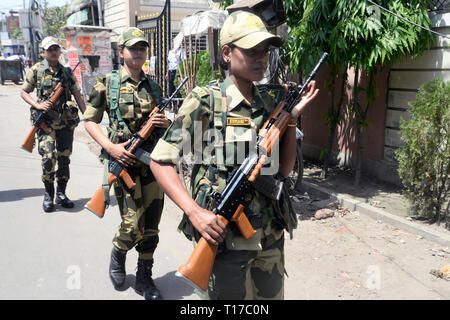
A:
x: 140, y: 207
x: 56, y: 146
x: 243, y: 269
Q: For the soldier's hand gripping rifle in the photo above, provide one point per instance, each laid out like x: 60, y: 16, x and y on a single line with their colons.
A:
x: 39, y: 121
x: 230, y: 203
x: 97, y: 203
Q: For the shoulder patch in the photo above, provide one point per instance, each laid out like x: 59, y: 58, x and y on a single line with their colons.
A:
x: 35, y: 66
x: 201, y: 92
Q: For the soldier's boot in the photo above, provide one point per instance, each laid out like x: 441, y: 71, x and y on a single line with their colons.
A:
x: 49, y: 194
x: 144, y: 283
x: 117, y: 267
x: 61, y: 197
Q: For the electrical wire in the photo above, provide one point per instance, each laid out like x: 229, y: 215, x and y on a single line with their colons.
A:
x: 400, y: 17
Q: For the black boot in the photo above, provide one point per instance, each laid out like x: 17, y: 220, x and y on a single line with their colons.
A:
x: 117, y: 267
x: 144, y: 283
x: 61, y: 197
x: 47, y: 205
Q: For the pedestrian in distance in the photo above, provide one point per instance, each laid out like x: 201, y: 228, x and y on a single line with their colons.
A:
x: 55, y: 147
x: 141, y: 206
x: 174, y: 59
x: 243, y: 269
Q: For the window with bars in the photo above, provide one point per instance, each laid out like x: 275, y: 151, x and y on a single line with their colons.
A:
x: 440, y: 6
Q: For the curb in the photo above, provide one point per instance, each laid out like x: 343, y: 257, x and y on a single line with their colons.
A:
x: 378, y: 214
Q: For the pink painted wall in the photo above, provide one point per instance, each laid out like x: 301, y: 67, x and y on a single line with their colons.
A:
x: 314, y: 122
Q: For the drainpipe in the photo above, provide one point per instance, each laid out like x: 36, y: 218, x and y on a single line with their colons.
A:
x: 100, y: 13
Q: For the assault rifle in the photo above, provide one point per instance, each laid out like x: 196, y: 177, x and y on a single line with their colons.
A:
x: 230, y: 203
x: 39, y: 121
x: 97, y: 203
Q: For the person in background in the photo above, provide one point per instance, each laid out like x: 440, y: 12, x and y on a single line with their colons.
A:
x: 243, y: 269
x: 54, y: 147
x: 140, y: 207
x: 174, y: 58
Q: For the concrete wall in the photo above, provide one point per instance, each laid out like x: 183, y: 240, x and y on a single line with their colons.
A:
x: 178, y: 9
x: 119, y: 14
x: 405, y: 78
x: 115, y: 15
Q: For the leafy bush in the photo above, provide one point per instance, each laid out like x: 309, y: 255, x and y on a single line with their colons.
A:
x: 205, y: 74
x: 424, y: 160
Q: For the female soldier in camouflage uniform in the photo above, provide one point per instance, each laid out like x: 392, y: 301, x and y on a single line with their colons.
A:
x: 243, y: 269
x: 141, y: 206
x: 56, y: 146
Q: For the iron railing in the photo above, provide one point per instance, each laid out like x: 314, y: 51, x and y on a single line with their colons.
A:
x: 157, y: 30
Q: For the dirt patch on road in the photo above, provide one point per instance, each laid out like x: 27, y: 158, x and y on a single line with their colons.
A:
x: 351, y: 256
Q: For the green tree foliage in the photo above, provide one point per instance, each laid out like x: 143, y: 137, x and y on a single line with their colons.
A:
x: 17, y: 34
x: 225, y: 4
x: 424, y: 160
x: 205, y: 73
x: 357, y: 35
x: 54, y: 19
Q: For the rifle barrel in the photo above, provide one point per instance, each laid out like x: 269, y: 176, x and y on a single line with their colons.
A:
x: 166, y: 103
x: 305, y: 85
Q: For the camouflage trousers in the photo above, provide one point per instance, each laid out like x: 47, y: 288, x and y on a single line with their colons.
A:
x: 140, y: 209
x: 249, y: 274
x: 55, y: 148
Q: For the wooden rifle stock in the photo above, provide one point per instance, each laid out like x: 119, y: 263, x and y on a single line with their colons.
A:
x: 197, y: 269
x: 28, y: 143
x: 271, y: 138
x: 97, y: 203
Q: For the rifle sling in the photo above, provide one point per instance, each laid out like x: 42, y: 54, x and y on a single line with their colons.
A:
x: 105, y: 184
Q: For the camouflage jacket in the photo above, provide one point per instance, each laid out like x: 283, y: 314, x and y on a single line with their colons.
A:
x: 136, y: 101
x: 44, y: 80
x: 198, y: 128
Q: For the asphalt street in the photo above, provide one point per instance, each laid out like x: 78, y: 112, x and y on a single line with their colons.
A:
x: 65, y: 254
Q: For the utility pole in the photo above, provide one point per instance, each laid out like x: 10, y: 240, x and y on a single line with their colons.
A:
x: 35, y: 31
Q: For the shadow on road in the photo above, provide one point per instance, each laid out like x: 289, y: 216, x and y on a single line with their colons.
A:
x: 172, y: 288
x: 20, y: 194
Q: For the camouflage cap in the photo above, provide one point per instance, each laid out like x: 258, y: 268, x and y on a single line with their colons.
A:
x: 246, y: 30
x: 131, y: 36
x: 47, y: 42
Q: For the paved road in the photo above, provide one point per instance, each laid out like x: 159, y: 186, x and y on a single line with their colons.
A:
x: 65, y: 254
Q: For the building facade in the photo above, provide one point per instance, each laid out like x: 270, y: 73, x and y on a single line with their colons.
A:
x: 119, y: 14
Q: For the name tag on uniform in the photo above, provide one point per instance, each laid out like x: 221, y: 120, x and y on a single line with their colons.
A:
x: 126, y: 90
x: 242, y: 121
x: 49, y: 76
